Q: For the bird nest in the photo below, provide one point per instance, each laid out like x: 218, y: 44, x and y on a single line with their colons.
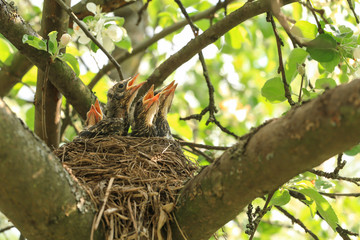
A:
x: 134, y: 182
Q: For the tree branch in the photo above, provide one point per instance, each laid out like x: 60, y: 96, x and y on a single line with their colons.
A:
x: 47, y: 97
x: 247, y: 11
x: 39, y: 197
x: 60, y: 74
x: 147, y: 43
x: 259, y: 163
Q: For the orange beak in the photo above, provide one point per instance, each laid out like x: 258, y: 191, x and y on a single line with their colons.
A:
x: 132, y: 81
x: 92, y: 116
x: 149, y: 94
x: 98, y: 109
x: 150, y: 101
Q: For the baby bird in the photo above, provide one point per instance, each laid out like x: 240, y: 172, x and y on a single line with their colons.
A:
x: 143, y: 115
x: 161, y: 123
x: 120, y: 98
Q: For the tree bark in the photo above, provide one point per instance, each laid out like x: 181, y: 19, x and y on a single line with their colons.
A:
x: 267, y: 158
x: 48, y: 109
x: 36, y: 193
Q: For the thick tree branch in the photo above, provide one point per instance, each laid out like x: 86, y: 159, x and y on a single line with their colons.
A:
x: 39, y: 197
x: 60, y: 74
x: 247, y: 11
x: 47, y: 97
x: 302, y: 139
x: 138, y: 48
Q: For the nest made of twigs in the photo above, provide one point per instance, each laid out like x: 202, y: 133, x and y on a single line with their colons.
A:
x: 134, y: 182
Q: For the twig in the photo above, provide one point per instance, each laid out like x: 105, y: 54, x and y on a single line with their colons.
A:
x: 142, y: 9
x: 309, y: 6
x: 283, y: 20
x: 260, y: 214
x: 6, y: 228
x: 297, y: 221
x: 340, y: 164
x: 301, y: 84
x: 147, y: 43
x: 184, y: 143
x: 351, y: 6
x: 107, y: 193
x: 332, y: 175
x: 344, y: 233
x: 89, y: 35
x: 335, y: 195
x: 211, y: 108
x: 281, y: 69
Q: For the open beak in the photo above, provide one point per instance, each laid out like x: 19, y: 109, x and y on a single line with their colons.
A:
x: 98, y: 109
x: 151, y: 101
x: 131, y: 82
x: 92, y: 117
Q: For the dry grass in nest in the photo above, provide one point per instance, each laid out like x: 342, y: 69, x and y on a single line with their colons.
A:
x: 134, y: 182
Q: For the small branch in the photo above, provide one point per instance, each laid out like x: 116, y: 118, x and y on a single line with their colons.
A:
x: 297, y: 221
x: 184, y: 143
x: 89, y: 35
x: 340, y: 164
x: 309, y: 6
x: 279, y: 43
x: 211, y: 108
x: 335, y: 195
x: 351, y: 6
x: 147, y: 43
x: 335, y: 176
x: 260, y: 213
x: 344, y: 233
x: 6, y: 229
x: 142, y: 9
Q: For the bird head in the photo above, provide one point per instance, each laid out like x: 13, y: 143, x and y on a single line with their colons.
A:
x: 121, y: 96
x: 149, y: 106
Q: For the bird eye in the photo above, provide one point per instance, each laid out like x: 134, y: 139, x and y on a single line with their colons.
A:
x: 121, y: 85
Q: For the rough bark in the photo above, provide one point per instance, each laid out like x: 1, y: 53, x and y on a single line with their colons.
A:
x: 261, y: 162
x: 47, y: 110
x: 61, y: 75
x: 39, y: 197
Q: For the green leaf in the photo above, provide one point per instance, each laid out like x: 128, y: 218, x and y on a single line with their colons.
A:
x: 71, y: 60
x: 322, y: 48
x: 323, y: 184
x: 53, y: 44
x: 280, y: 197
x: 296, y: 57
x: 34, y: 42
x: 6, y: 51
x: 125, y: 43
x: 345, y: 32
x: 353, y: 151
x: 273, y: 90
x: 304, y: 30
x: 322, y: 206
x: 93, y: 47
x: 324, y: 83
x: 330, y: 66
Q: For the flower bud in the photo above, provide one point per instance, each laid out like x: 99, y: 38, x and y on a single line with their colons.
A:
x: 64, y: 40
